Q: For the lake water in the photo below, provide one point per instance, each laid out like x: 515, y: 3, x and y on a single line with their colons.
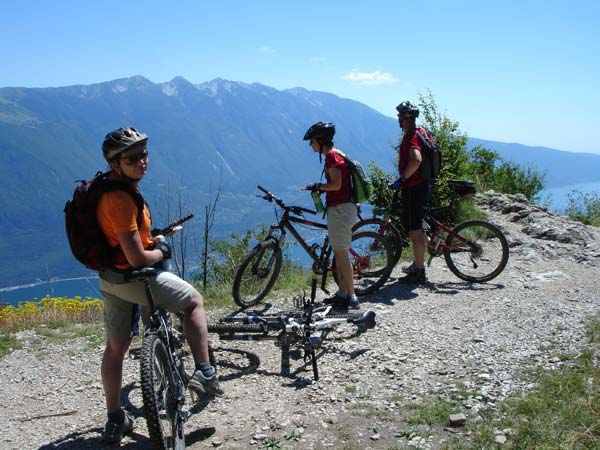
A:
x: 84, y: 287
x: 558, y: 197
x: 88, y: 287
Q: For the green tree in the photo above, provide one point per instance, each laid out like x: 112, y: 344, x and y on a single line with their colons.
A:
x: 452, y: 142
x: 584, y: 207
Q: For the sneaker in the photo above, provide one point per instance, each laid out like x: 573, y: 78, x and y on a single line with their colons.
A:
x: 415, y: 277
x: 337, y: 300
x: 353, y: 302
x: 205, y: 385
x: 409, y: 268
x: 114, y: 431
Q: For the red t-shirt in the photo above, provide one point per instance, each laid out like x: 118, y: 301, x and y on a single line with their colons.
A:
x: 334, y: 160
x: 410, y: 140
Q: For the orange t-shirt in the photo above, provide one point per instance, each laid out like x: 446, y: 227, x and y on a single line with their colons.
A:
x: 117, y: 213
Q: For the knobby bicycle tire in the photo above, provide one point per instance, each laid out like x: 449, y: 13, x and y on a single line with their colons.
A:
x: 234, y: 327
x: 371, y: 256
x: 165, y: 424
x: 380, y: 226
x: 487, y: 253
x: 252, y: 283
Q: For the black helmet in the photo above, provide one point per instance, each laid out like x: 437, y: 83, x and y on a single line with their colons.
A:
x: 118, y: 141
x: 407, y: 109
x: 322, y: 132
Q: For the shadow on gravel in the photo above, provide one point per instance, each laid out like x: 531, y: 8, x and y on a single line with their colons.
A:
x: 91, y: 440
x: 452, y: 288
x: 393, y: 291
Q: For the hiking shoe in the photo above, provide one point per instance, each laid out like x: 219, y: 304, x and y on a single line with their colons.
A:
x: 415, y: 277
x: 337, y: 300
x: 342, y: 301
x: 201, y: 384
x: 409, y: 268
x: 114, y: 431
x: 353, y: 302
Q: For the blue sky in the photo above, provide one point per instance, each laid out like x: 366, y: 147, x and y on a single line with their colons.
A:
x: 510, y: 71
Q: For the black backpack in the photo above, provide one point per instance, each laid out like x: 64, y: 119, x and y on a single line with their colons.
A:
x: 86, y: 239
x: 432, y: 156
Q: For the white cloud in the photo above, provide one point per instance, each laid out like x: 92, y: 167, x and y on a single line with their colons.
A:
x: 317, y: 59
x: 372, y: 78
x: 266, y: 49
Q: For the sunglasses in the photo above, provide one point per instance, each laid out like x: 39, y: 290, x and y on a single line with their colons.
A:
x: 134, y: 159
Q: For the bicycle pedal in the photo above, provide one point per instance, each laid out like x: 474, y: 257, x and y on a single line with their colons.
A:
x: 185, y: 414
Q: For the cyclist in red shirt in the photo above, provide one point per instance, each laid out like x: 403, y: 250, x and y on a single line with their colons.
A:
x: 416, y: 191
x: 341, y: 210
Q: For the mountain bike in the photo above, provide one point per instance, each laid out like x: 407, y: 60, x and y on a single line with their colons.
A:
x: 475, y: 250
x: 260, y: 269
x: 306, y: 326
x: 163, y: 376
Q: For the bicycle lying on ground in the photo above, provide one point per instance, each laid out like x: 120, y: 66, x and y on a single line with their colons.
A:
x: 163, y: 376
x: 258, y: 272
x: 306, y: 326
x: 474, y: 250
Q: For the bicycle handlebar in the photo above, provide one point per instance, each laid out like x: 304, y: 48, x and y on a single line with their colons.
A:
x: 172, y: 227
x: 270, y: 197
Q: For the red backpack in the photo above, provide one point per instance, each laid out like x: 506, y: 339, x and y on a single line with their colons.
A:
x: 88, y: 243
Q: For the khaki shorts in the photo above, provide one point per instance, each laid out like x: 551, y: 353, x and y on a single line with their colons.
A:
x: 340, y: 219
x: 168, y: 290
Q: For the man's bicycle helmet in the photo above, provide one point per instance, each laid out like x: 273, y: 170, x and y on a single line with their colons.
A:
x: 321, y: 131
x: 118, y: 141
x: 407, y: 109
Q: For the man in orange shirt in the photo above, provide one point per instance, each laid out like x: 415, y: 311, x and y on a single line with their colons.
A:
x: 128, y: 232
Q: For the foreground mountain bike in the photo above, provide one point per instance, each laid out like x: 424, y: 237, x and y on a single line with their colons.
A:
x: 258, y: 272
x: 475, y: 250
x: 163, y: 376
x: 306, y: 326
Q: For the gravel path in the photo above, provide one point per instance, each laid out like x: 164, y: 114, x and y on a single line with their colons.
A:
x: 444, y: 339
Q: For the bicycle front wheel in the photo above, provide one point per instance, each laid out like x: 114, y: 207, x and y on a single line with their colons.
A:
x: 256, y: 275
x: 372, y: 259
x: 386, y: 229
x: 477, y: 251
x: 160, y: 392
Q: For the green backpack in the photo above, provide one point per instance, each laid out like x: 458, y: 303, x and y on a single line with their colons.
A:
x: 362, y: 188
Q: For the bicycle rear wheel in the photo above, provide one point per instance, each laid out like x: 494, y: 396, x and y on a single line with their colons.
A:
x: 159, y: 391
x: 382, y: 227
x: 372, y: 259
x: 479, y: 255
x: 256, y: 275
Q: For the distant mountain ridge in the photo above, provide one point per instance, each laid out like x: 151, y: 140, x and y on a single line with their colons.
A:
x: 561, y: 168
x: 243, y: 134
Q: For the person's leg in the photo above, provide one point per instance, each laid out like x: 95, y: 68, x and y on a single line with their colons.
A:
x: 414, y: 200
x: 340, y: 219
x: 112, y: 371
x: 418, y: 244
x: 175, y: 294
x: 344, y: 271
x: 195, y: 329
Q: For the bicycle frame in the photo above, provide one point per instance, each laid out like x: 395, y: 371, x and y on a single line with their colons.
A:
x: 320, y: 259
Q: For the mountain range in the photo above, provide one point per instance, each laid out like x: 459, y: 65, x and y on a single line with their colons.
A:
x: 201, y: 135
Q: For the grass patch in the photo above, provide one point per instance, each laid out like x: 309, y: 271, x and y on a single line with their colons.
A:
x: 369, y: 411
x: 562, y: 412
x: 8, y: 344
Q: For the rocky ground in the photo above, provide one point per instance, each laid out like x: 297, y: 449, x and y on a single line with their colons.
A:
x: 448, y: 338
